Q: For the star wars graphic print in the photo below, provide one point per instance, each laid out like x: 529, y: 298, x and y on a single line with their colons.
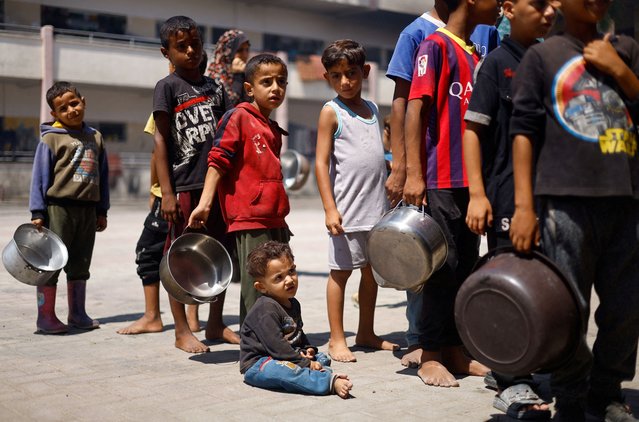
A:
x: 591, y: 111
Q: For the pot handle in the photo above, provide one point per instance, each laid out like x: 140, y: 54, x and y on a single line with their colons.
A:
x: 401, y: 203
x: 187, y: 228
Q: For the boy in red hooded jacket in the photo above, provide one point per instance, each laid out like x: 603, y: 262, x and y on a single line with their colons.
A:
x: 244, y: 169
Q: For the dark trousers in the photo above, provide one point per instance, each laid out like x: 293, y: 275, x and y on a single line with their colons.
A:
x: 595, y: 241
x: 501, y: 239
x: 448, y: 208
x: 245, y: 242
x: 75, y: 224
x: 150, y: 246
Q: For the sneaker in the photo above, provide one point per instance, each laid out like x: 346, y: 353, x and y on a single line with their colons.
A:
x: 619, y: 412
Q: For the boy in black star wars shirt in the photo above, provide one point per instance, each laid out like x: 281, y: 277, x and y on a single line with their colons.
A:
x: 575, y: 110
x: 187, y: 107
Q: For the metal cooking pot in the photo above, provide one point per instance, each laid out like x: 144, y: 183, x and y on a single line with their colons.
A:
x: 196, y: 269
x: 406, y: 247
x: 34, y: 255
x: 295, y: 169
x: 519, y: 314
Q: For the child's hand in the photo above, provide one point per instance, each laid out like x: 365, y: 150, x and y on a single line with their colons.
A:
x: 479, y: 215
x: 309, y: 353
x: 603, y: 56
x: 415, y: 191
x: 198, y: 217
x: 38, y: 222
x: 524, y: 230
x: 170, y: 208
x: 315, y: 366
x: 101, y: 223
x: 395, y: 186
x: 238, y: 65
x: 334, y: 222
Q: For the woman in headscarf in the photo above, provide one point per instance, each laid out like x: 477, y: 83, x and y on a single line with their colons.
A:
x: 229, y: 60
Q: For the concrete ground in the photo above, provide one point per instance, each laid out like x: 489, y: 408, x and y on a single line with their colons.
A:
x: 103, y: 376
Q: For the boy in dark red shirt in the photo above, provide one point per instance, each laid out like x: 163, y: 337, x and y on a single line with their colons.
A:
x: 244, y: 169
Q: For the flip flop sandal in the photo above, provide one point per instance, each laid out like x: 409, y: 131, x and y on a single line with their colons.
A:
x: 514, y: 399
x: 490, y: 381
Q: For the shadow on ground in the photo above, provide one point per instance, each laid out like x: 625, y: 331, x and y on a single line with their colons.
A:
x: 218, y: 357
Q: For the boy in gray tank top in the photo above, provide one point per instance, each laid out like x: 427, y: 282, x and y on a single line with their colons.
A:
x: 350, y: 172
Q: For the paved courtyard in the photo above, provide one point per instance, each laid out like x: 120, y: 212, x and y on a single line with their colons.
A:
x: 103, y: 376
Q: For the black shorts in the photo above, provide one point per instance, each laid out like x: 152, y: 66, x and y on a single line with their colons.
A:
x: 150, y: 246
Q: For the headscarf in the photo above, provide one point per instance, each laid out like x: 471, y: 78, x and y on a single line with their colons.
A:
x: 220, y: 67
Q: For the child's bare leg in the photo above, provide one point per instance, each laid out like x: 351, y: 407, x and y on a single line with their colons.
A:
x: 458, y: 363
x: 366, y: 336
x: 342, y: 386
x: 193, y: 318
x: 184, y: 338
x: 337, y: 348
x: 215, y: 327
x: 433, y: 372
x: 151, y: 321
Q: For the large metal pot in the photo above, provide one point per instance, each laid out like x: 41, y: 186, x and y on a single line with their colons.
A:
x: 519, y: 314
x: 196, y: 269
x: 34, y: 255
x: 295, y: 169
x: 405, y: 248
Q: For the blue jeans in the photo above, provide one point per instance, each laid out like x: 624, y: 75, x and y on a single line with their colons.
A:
x: 282, y: 375
x: 595, y: 241
x: 414, y: 304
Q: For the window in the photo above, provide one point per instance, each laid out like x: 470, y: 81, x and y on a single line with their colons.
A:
x: 64, y: 18
x: 18, y: 137
x: 292, y: 45
x: 217, y: 33
x: 111, y: 132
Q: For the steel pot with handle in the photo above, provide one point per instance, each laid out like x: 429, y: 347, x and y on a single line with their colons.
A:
x: 406, y: 247
x: 519, y: 314
x: 196, y: 269
x: 34, y: 255
x: 295, y: 169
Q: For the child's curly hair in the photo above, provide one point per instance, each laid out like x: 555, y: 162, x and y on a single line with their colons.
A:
x: 259, y: 257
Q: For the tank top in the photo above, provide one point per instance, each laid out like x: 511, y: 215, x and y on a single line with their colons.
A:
x: 357, y: 169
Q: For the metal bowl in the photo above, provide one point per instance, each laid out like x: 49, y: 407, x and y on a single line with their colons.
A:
x: 196, y: 269
x: 295, y: 169
x: 34, y: 255
x: 406, y: 247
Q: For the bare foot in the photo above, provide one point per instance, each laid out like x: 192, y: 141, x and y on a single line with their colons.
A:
x: 435, y: 374
x: 193, y: 318
x: 342, y: 386
x: 458, y: 363
x: 190, y: 344
x: 223, y: 333
x: 143, y: 325
x: 374, y: 342
x: 413, y: 356
x: 338, y: 351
